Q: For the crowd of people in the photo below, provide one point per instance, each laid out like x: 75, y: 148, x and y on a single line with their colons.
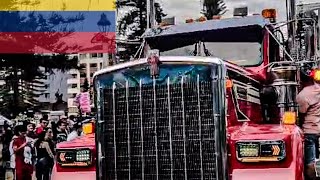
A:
x: 28, y: 149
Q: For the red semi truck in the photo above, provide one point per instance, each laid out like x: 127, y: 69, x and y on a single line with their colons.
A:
x: 211, y: 99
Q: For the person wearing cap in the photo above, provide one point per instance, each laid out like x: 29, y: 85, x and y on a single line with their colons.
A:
x: 309, y: 107
x: 76, y: 132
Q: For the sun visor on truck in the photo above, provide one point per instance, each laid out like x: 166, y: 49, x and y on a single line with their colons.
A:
x: 244, y: 29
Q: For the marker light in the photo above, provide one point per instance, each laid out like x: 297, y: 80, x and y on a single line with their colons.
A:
x: 87, y: 128
x: 289, y: 118
x: 315, y: 74
x: 216, y: 17
x: 229, y: 83
x: 189, y: 21
x: 202, y: 19
x: 269, y: 13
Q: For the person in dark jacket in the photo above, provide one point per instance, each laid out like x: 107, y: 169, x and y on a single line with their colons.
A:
x: 45, y: 155
x: 61, y: 132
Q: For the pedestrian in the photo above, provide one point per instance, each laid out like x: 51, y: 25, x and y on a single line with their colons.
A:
x: 23, y: 170
x: 71, y: 121
x: 45, y: 155
x: 31, y: 130
x: 76, y: 132
x: 309, y: 107
x: 6, y: 155
x: 11, y: 169
x: 43, y: 124
x: 61, y: 131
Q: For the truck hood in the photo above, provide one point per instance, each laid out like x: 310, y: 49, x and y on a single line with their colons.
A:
x: 83, y: 141
x: 261, y: 132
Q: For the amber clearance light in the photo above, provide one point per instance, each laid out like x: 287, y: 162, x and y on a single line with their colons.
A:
x: 315, y: 74
x: 189, y: 21
x: 202, y: 19
x: 87, y: 128
x: 289, y: 118
x: 269, y: 13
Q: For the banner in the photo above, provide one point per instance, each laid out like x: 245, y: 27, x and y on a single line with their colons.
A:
x: 57, y: 26
x: 84, y: 102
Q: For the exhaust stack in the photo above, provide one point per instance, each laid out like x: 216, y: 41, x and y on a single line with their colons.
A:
x: 291, y: 15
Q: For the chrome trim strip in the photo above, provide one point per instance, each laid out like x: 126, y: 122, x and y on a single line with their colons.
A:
x: 141, y: 127
x: 169, y: 59
x: 114, y: 129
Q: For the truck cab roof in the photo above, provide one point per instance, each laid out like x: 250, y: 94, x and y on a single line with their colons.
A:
x: 243, y: 29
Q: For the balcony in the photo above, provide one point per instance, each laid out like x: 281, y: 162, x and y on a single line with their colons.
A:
x: 73, y: 81
x: 73, y: 91
x: 73, y: 71
x: 93, y: 69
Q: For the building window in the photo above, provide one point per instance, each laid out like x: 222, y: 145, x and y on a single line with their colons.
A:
x: 101, y: 66
x: 91, y: 74
x: 93, y: 55
x: 100, y: 55
x: 83, y: 75
x: 46, y: 95
x: 83, y: 56
x: 83, y: 65
x: 74, y: 95
x: 93, y: 65
x: 74, y: 85
x: 74, y: 76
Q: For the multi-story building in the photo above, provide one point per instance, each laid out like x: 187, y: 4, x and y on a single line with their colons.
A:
x: 89, y: 63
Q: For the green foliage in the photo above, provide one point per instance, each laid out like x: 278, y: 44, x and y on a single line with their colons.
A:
x: 133, y: 23
x: 213, y: 7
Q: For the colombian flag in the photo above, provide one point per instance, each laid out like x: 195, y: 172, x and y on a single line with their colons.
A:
x: 57, y: 26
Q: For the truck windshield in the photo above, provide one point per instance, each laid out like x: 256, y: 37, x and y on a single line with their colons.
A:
x: 142, y: 72
x: 240, y: 53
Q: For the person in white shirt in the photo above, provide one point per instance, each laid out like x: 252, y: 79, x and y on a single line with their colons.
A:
x: 76, y: 132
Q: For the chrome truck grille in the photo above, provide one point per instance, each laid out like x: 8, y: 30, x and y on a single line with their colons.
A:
x: 160, y: 132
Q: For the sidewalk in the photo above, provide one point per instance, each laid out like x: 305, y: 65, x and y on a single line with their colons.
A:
x: 10, y: 175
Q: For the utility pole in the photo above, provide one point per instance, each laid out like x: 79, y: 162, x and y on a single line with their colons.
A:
x: 151, y: 15
x: 291, y: 15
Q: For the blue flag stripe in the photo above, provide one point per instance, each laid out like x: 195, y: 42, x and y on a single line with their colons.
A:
x: 72, y: 21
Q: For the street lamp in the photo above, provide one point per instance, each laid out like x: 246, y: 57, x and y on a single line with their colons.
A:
x: 104, y: 26
x: 104, y: 23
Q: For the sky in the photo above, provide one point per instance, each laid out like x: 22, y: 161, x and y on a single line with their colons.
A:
x: 184, y: 9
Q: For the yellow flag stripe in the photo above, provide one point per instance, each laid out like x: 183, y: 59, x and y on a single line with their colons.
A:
x: 57, y: 5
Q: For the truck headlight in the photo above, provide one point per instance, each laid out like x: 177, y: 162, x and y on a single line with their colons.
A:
x: 74, y: 157
x: 83, y: 155
x: 258, y: 151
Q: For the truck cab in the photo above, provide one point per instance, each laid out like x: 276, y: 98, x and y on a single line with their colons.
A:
x: 203, y: 103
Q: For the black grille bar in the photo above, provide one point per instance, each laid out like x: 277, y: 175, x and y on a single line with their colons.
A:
x: 162, y: 131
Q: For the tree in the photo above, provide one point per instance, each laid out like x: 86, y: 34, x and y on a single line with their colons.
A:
x: 133, y: 23
x: 23, y: 70
x: 213, y: 7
